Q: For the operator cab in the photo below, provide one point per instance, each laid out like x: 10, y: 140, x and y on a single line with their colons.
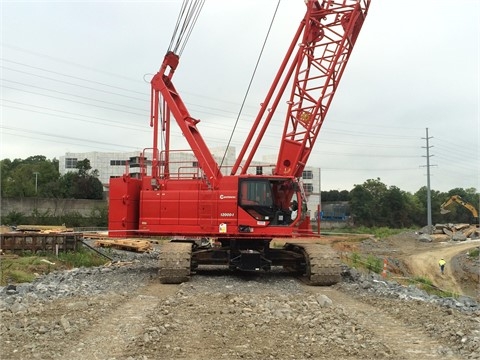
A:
x: 274, y: 200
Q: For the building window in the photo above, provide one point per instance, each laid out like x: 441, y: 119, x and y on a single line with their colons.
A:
x: 307, y: 174
x: 308, y: 188
x: 118, y: 162
x: 70, y: 163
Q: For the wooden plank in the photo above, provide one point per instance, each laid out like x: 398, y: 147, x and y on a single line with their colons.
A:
x: 125, y: 244
x: 43, y: 228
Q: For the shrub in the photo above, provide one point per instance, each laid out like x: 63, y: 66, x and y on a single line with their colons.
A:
x: 355, y: 259
x: 81, y: 258
x: 13, y: 218
x: 374, y: 264
x: 473, y: 254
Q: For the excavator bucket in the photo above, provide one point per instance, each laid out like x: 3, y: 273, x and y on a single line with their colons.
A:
x: 443, y: 211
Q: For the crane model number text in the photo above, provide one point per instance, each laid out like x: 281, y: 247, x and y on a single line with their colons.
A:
x: 226, y: 214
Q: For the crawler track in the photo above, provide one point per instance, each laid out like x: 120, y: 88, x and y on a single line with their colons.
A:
x: 323, y: 265
x: 175, y: 262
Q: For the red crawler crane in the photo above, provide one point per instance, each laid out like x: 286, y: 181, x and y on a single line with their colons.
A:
x: 240, y: 210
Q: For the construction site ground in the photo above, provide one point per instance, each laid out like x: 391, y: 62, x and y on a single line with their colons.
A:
x: 416, y: 259
x: 223, y: 315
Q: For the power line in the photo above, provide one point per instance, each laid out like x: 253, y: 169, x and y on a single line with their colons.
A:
x: 72, y: 84
x: 66, y: 93
x: 74, y: 101
x: 117, y: 124
x: 326, y: 131
x: 359, y: 135
x: 66, y: 62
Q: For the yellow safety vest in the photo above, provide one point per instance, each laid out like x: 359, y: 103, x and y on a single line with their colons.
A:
x: 442, y: 262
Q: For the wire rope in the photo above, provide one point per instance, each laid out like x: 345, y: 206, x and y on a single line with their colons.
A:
x: 250, y: 84
x: 187, y: 18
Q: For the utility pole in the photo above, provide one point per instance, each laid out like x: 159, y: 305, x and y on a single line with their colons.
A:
x: 36, y: 181
x: 429, y: 197
x: 319, y: 209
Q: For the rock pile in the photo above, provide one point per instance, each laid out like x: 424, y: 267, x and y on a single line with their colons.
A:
x: 446, y: 232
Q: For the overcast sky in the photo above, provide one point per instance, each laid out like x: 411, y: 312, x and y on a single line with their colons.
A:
x: 75, y: 78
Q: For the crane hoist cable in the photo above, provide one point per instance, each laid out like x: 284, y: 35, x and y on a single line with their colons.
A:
x: 250, y: 83
x: 186, y: 20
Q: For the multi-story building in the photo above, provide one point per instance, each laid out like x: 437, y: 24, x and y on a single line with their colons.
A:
x: 108, y: 164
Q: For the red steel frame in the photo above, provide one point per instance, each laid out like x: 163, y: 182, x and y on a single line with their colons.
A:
x: 324, y: 41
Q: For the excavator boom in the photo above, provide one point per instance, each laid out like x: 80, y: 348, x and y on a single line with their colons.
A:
x: 457, y: 199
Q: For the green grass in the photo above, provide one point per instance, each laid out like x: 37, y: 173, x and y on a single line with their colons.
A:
x: 371, y: 263
x: 356, y: 259
x: 27, y: 266
x: 81, y: 258
x: 378, y: 232
x: 427, y: 285
x: 473, y: 254
x: 422, y: 280
x: 374, y: 264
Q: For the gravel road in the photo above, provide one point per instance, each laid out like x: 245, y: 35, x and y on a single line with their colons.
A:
x: 123, y: 312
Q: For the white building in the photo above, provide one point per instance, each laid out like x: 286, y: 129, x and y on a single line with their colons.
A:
x: 108, y: 164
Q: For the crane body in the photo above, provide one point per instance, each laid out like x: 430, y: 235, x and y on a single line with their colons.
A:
x: 240, y: 209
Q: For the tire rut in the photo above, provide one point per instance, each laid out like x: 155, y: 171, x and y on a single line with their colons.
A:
x: 108, y: 337
x: 406, y: 342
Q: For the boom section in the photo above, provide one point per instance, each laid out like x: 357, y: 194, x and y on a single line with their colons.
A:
x: 312, y: 69
x: 163, y: 88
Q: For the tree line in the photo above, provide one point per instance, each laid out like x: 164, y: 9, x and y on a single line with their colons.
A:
x: 374, y: 204
x: 371, y: 204
x: 38, y: 176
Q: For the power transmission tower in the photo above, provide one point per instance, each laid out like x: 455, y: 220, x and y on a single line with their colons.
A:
x: 429, y: 197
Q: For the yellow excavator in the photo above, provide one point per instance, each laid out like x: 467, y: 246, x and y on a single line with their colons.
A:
x: 458, y: 200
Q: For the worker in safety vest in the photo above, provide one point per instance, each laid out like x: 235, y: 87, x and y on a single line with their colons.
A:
x: 442, y: 263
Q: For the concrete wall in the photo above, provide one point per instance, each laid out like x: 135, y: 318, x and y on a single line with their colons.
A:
x: 54, y: 207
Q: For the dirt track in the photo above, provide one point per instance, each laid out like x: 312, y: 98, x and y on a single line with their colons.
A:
x: 425, y: 264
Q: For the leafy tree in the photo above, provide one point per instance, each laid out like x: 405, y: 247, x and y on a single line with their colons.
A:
x: 335, y: 195
x: 361, y: 206
x: 367, y: 203
x: 395, y: 208
x: 83, y: 184
x: 414, y: 208
x: 34, y: 176
x: 67, y: 185
x: 83, y: 167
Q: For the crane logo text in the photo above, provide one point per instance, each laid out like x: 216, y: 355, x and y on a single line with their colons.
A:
x: 222, y: 197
